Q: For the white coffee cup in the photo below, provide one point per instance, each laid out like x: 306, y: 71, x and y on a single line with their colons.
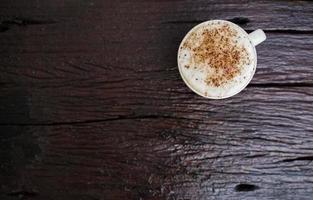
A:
x: 254, y: 38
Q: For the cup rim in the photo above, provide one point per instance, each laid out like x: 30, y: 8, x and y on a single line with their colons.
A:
x: 217, y: 97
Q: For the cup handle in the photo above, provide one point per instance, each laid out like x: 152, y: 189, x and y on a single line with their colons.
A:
x: 257, y: 36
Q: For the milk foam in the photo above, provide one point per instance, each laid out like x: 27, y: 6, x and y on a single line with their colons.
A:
x: 195, y: 75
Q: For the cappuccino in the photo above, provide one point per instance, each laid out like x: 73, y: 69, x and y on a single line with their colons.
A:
x: 217, y: 59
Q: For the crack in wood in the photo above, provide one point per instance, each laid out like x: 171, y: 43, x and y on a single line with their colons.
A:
x: 244, y: 187
x: 183, y: 22
x: 5, y: 25
x: 303, y: 158
x: 240, y: 20
x: 255, y: 156
x: 279, y: 85
x: 236, y: 20
x: 287, y: 31
x: 93, y: 121
x: 244, y: 21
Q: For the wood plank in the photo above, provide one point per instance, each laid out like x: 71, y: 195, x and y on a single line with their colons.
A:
x: 50, y: 45
x: 256, y: 146
x: 283, y: 58
x: 267, y: 14
x: 57, y: 89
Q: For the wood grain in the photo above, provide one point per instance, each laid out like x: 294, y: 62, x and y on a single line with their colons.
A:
x: 67, y: 88
x: 92, y: 105
x: 200, y: 151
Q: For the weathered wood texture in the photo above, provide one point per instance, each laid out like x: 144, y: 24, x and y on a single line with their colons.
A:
x: 92, y: 105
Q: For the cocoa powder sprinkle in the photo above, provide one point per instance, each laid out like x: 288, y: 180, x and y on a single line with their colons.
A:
x: 219, y: 51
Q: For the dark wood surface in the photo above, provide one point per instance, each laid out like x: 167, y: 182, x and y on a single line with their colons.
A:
x: 92, y: 106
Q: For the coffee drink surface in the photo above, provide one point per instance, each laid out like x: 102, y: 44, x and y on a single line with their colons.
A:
x: 216, y: 59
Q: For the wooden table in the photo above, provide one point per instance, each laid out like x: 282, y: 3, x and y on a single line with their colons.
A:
x: 92, y: 105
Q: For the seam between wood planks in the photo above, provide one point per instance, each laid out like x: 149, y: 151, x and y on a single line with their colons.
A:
x: 279, y: 85
x: 93, y: 121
